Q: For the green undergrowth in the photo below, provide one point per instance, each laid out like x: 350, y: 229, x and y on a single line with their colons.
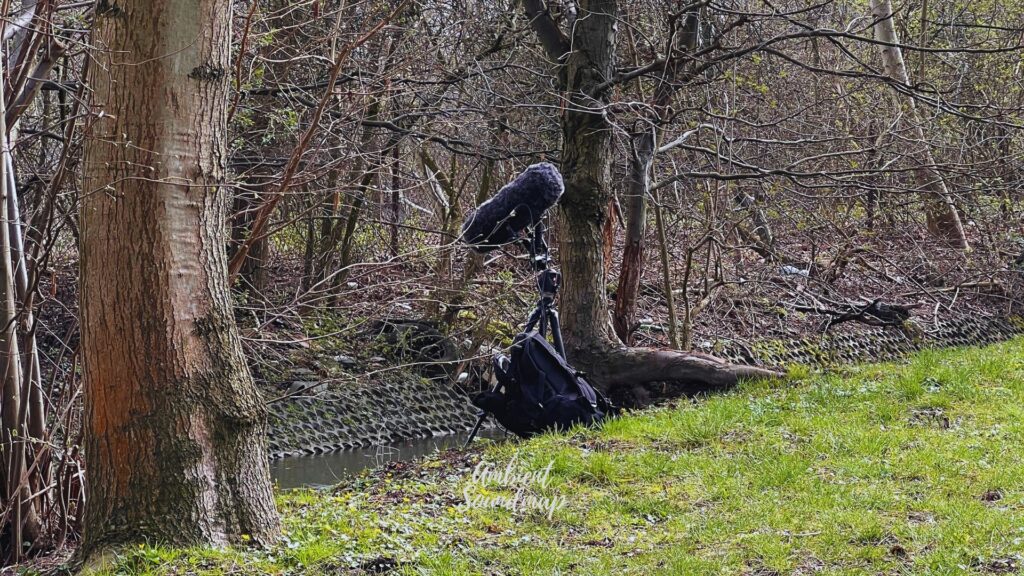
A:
x: 914, y: 468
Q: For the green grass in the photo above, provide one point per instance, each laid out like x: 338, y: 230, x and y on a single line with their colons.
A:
x: 881, y: 469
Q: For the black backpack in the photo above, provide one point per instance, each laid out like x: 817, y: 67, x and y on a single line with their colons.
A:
x: 538, y: 391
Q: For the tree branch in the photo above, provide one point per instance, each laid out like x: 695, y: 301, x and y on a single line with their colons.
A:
x: 551, y: 38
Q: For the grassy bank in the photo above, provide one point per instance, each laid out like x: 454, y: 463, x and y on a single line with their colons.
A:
x: 887, y: 469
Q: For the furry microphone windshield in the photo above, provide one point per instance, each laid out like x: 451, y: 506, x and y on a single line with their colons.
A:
x: 519, y: 205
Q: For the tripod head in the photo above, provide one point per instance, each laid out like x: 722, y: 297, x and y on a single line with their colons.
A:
x: 548, y: 282
x: 548, y: 279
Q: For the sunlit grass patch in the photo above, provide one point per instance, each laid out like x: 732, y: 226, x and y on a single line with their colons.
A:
x: 914, y: 468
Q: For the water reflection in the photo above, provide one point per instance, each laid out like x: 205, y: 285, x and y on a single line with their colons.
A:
x: 329, y: 469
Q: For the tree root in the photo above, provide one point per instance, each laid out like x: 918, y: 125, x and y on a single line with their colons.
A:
x: 618, y: 367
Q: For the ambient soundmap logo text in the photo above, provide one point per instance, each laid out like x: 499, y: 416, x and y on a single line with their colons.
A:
x: 511, y: 488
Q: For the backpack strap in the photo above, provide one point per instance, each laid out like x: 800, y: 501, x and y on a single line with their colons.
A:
x: 501, y: 365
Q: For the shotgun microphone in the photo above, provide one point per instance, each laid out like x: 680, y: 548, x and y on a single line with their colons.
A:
x: 519, y: 205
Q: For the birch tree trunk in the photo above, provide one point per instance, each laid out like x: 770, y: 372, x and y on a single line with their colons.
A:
x: 942, y: 217
x: 174, y: 425
x: 22, y: 421
x: 14, y: 492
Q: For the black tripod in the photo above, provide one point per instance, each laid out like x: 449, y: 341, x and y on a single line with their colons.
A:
x: 544, y: 316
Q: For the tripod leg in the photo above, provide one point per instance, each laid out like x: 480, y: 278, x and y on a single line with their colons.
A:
x: 483, y: 413
x: 472, y: 433
x: 556, y: 331
x: 535, y: 316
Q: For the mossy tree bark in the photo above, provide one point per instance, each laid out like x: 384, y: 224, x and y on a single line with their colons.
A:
x: 174, y: 425
x: 586, y: 62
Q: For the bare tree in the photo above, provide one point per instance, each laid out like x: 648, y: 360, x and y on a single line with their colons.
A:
x: 174, y: 426
x: 943, y: 219
x: 587, y: 68
x: 682, y: 38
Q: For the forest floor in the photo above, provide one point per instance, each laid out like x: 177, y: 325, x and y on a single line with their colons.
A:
x: 911, y: 468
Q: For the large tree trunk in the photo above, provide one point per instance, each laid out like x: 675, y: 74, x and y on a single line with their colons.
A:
x: 587, y: 63
x: 174, y: 425
x: 942, y: 217
x: 586, y: 165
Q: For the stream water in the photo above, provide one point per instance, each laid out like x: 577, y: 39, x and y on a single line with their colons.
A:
x: 329, y: 469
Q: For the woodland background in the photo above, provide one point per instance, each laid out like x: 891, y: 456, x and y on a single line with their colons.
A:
x: 771, y: 172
